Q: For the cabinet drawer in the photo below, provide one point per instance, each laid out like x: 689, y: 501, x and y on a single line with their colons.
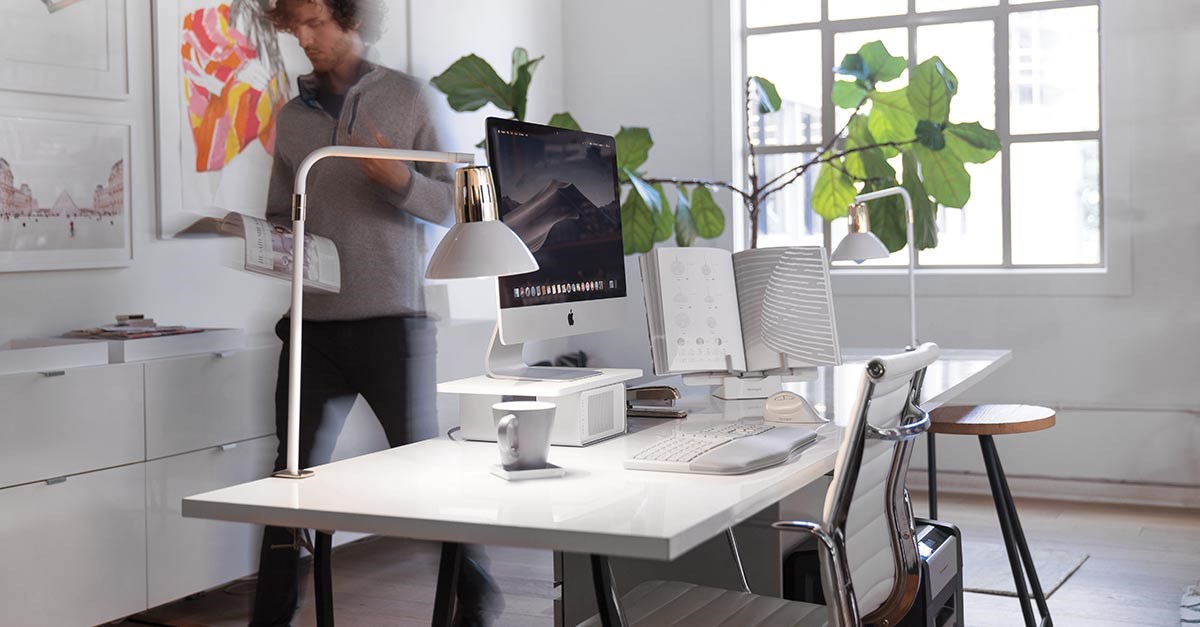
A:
x: 187, y: 555
x: 74, y: 552
x: 204, y: 400
x: 82, y: 420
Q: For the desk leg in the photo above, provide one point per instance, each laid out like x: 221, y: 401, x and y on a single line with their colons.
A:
x: 932, y: 448
x: 608, y: 602
x: 323, y: 578
x: 447, y: 584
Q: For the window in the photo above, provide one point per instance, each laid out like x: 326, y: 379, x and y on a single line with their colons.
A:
x: 1031, y: 72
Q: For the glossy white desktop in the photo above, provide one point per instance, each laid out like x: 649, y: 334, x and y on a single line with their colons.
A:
x: 441, y: 489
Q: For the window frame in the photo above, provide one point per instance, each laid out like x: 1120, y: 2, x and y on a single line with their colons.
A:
x: 1110, y: 276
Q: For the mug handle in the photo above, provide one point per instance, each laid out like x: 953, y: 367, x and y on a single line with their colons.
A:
x: 506, y: 438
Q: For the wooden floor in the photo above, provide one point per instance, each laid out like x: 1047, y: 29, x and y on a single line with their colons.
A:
x: 1140, y: 560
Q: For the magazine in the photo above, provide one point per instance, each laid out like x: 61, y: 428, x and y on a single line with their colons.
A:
x: 269, y: 249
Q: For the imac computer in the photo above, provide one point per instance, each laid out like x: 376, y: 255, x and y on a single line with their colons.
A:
x: 558, y: 190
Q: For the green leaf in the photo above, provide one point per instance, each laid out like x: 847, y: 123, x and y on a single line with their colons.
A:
x: 649, y: 195
x: 832, y: 192
x: 852, y: 65
x: 685, y: 225
x: 710, y: 220
x: 637, y: 224
x: 633, y: 148
x: 972, y: 143
x: 887, y: 218
x: 522, y: 75
x: 664, y: 220
x: 930, y: 135
x: 930, y: 88
x: 891, y: 118
x: 768, y: 97
x: 881, y: 66
x: 924, y: 210
x: 944, y: 176
x: 470, y: 82
x: 870, y: 163
x: 848, y: 95
x: 564, y: 120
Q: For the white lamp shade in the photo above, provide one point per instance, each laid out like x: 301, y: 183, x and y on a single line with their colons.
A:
x: 859, y: 247
x: 480, y: 249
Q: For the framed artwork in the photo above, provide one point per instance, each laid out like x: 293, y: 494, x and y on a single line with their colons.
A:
x: 64, y: 193
x: 69, y: 47
x: 223, y: 75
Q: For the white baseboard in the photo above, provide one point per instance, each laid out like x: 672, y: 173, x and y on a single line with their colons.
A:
x: 1086, y: 490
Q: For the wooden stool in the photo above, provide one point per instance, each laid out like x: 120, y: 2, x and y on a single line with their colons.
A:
x: 985, y: 421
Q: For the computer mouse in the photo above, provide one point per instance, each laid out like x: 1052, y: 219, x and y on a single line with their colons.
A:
x: 789, y: 407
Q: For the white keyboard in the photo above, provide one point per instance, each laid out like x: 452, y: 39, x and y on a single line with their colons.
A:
x: 726, y: 449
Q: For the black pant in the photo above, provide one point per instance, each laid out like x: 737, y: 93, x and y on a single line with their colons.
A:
x: 389, y: 361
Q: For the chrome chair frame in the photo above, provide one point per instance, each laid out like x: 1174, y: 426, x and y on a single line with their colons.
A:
x: 835, y: 568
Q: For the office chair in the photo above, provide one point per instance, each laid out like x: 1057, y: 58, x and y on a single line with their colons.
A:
x: 869, y: 561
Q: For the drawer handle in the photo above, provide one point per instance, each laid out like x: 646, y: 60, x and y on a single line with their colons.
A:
x: 228, y: 447
x: 224, y: 353
x: 52, y: 373
x: 56, y: 481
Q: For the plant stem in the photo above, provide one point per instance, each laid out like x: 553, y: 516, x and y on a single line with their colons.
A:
x: 752, y: 200
x: 799, y: 170
x: 824, y: 149
x: 705, y: 182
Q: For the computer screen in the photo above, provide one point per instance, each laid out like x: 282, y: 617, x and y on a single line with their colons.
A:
x: 558, y: 191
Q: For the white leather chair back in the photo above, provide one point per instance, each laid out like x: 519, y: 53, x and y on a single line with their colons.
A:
x: 879, y: 545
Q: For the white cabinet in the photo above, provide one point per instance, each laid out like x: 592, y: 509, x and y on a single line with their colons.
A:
x: 81, y: 419
x: 204, y: 400
x: 185, y: 555
x: 74, y: 551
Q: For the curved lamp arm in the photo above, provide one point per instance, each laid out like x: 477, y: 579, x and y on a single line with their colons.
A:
x: 299, y: 208
x: 912, y: 252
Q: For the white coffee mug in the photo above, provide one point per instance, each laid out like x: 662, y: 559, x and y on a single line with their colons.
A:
x: 523, y: 433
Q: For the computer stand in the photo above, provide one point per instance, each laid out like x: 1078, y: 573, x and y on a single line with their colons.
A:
x: 506, y: 361
x: 748, y: 385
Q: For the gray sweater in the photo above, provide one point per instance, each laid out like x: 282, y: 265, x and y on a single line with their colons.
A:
x: 379, y: 233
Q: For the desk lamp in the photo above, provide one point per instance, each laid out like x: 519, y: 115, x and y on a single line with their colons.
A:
x: 477, y: 240
x: 861, y: 244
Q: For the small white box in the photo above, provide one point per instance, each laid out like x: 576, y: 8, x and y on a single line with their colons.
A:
x: 49, y: 354
x: 207, y: 341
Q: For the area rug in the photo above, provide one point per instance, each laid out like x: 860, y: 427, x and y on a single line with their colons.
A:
x: 986, y: 568
x: 1189, y: 607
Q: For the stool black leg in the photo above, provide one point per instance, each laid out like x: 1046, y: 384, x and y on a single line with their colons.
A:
x: 932, y: 476
x: 607, y: 600
x: 323, y: 578
x: 1019, y: 534
x: 1002, y: 512
x: 447, y: 584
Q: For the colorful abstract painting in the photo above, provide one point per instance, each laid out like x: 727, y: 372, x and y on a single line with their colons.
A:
x: 64, y: 199
x: 224, y: 74
x: 235, y: 81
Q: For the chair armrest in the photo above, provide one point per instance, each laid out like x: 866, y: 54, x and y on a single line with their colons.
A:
x: 835, y: 573
x: 903, y: 432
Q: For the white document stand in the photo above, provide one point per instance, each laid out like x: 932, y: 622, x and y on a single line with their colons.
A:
x: 748, y: 385
x: 588, y: 410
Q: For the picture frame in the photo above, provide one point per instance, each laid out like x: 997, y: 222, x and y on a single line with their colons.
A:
x: 65, y: 47
x: 64, y: 192
x: 199, y: 174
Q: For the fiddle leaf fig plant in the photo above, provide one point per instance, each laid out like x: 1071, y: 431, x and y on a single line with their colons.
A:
x: 907, y: 128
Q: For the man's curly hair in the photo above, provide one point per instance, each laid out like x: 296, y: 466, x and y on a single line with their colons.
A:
x: 364, y: 16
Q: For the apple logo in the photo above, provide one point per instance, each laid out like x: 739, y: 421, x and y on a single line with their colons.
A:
x: 570, y: 318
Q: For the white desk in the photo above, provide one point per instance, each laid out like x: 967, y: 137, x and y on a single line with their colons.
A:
x: 441, y: 489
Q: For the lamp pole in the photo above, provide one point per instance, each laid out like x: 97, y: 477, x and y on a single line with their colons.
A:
x: 912, y: 252
x: 299, y: 210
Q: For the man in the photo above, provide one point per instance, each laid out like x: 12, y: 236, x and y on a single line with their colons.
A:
x: 372, y: 338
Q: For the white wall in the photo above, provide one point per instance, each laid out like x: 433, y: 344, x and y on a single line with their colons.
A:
x: 1120, y: 368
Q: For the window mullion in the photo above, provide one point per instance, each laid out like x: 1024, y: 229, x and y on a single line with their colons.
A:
x: 1003, y: 100
x: 828, y: 117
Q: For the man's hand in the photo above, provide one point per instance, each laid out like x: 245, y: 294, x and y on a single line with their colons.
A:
x: 394, y: 174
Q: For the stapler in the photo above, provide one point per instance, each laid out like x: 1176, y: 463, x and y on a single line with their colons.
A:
x: 653, y: 401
